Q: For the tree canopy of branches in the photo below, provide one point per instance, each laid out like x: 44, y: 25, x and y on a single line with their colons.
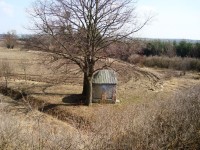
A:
x: 80, y: 30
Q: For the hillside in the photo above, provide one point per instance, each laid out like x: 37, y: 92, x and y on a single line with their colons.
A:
x: 53, y: 95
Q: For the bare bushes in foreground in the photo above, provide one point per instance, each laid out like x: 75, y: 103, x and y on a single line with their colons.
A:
x: 32, y: 133
x: 160, y: 124
x: 163, y: 124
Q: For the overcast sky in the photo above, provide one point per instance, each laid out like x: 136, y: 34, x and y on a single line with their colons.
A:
x: 174, y: 18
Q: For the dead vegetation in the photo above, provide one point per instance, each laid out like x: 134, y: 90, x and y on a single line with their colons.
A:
x: 169, y: 124
x: 176, y: 63
x: 162, y: 124
x: 159, y: 109
x: 34, y: 131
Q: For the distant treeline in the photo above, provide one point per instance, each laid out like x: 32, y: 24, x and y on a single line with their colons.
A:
x: 147, y: 47
x: 124, y: 49
x: 163, y: 48
x: 179, y: 55
x: 172, y: 54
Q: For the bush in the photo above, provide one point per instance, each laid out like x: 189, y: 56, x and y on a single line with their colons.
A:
x: 10, y: 39
x: 160, y: 124
x: 177, y: 63
x: 135, y: 59
x: 168, y: 124
x: 31, y: 133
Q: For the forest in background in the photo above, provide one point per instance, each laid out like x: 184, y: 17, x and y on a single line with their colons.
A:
x: 162, y: 53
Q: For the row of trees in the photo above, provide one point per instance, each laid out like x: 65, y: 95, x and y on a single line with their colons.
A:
x: 168, y: 48
x: 118, y: 49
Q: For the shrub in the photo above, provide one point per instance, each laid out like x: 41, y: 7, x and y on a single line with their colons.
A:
x: 160, y: 124
x: 177, y: 63
x: 135, y: 59
x: 163, y: 124
x: 32, y: 133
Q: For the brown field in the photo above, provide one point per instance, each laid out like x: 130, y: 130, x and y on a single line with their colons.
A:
x: 57, y: 109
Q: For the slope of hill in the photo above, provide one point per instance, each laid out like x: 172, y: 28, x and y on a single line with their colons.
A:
x: 57, y: 105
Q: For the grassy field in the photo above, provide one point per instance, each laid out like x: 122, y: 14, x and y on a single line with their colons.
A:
x: 53, y: 114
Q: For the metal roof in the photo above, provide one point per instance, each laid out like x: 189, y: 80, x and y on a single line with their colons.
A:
x: 105, y: 76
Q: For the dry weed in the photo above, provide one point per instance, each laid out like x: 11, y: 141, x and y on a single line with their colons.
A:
x: 164, y: 124
x: 177, y: 63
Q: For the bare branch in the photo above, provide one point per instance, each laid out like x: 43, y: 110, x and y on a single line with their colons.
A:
x: 81, y: 30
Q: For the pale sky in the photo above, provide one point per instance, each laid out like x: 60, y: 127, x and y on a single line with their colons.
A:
x: 173, y: 18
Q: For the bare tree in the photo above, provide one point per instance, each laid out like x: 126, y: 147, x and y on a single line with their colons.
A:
x: 10, y: 39
x: 80, y: 30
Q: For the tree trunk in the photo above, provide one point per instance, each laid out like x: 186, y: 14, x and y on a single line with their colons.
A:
x: 85, y: 86
x: 88, y: 96
x: 87, y: 80
x: 87, y: 89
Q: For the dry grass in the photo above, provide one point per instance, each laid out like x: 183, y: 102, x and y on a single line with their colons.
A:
x: 165, y: 124
x: 148, y: 117
x: 34, y: 131
x: 162, y: 124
